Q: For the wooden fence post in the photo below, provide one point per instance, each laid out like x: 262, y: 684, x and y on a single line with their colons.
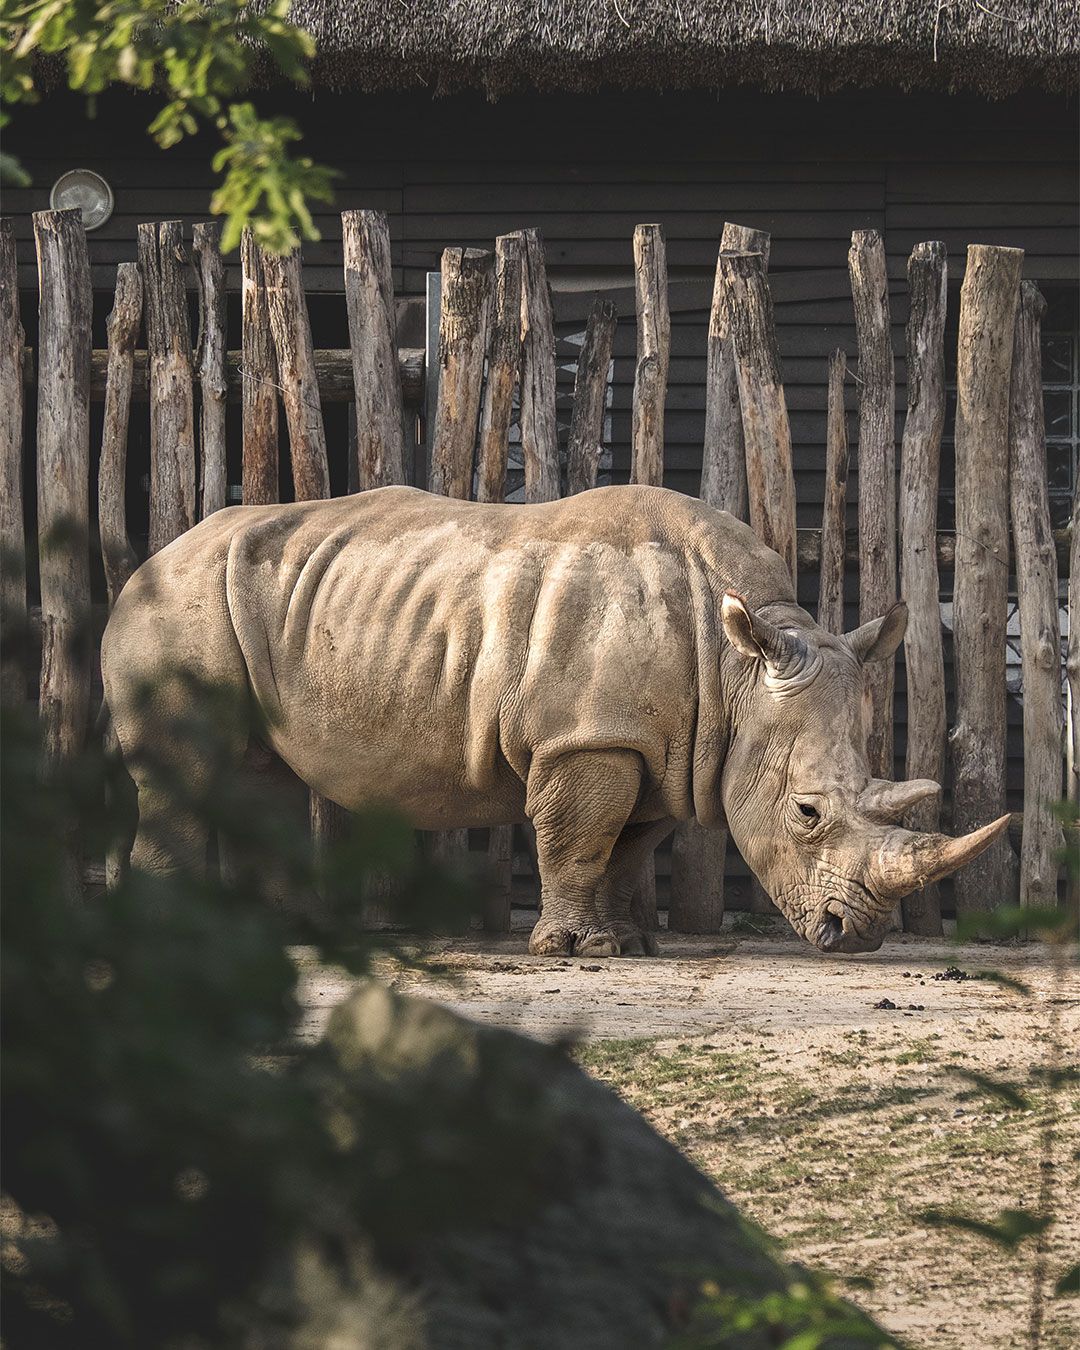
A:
x: 653, y: 356
x: 723, y: 463
x: 767, y: 432
x: 877, y: 474
x: 1072, y: 671
x: 63, y: 477
x: 369, y: 296
x: 12, y: 530
x: 210, y: 364
x: 295, y: 353
x: 172, y: 400
x: 988, y: 303
x: 504, y: 360
x: 259, y: 397
x: 539, y: 428
x: 920, y: 475
x: 463, y: 316
x: 834, y: 515
x: 1037, y: 593
x: 117, y: 555
x: 585, y: 442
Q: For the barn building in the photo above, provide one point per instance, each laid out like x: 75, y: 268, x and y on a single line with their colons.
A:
x: 464, y: 120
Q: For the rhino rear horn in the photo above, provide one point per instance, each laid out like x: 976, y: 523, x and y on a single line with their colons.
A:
x: 879, y: 639
x: 786, y: 657
x: 907, y: 861
x: 887, y: 803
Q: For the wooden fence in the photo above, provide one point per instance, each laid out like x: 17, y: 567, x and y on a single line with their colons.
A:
x: 496, y: 336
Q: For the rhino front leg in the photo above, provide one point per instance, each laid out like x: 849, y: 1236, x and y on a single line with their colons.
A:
x: 579, y: 805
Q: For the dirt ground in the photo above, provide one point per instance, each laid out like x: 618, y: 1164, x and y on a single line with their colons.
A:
x: 832, y: 1120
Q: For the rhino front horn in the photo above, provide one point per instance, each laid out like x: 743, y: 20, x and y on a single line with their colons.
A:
x: 907, y: 861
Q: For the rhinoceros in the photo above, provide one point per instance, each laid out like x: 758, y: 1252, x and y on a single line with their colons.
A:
x: 602, y: 666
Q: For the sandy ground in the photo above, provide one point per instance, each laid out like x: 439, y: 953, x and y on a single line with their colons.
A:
x: 834, y: 1121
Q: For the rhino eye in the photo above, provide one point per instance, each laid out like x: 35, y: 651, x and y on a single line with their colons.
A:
x: 809, y: 813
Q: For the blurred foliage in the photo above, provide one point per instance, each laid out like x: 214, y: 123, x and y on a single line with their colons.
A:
x: 167, y: 1145
x: 201, y: 56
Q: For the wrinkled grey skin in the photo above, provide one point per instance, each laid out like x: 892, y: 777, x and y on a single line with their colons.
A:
x: 602, y: 666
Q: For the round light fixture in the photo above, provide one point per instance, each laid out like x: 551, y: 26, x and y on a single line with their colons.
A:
x: 86, y: 190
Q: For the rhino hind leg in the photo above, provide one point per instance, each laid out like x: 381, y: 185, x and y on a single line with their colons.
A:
x: 579, y: 805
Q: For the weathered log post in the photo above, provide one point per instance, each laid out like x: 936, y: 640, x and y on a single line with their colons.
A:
x: 504, y: 361
x: 653, y: 356
x: 463, y: 318
x: 539, y: 428
x: 1072, y: 672
x: 172, y: 399
x: 12, y: 529
x: 647, y: 429
x: 834, y: 515
x: 1037, y: 593
x: 63, y: 477
x: 369, y: 297
x: 210, y: 364
x: 988, y: 304
x: 295, y: 362
x: 698, y: 855
x: 295, y: 353
x: 117, y: 555
x: 877, y: 474
x: 723, y: 463
x: 770, y: 478
x: 919, y: 583
x: 585, y: 441
x: 259, y: 399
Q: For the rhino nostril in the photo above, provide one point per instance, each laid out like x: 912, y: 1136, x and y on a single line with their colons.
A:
x: 831, y: 932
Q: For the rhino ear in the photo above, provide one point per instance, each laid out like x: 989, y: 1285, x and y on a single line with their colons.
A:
x: 879, y: 639
x: 787, y: 660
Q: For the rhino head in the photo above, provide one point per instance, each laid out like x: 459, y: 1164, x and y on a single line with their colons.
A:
x: 823, y: 836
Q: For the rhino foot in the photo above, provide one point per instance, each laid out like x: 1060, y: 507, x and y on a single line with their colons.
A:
x: 551, y: 939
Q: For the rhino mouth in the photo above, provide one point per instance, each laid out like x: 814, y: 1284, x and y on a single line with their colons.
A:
x: 836, y: 933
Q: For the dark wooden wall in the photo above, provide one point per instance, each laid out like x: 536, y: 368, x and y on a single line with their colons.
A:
x: 586, y: 169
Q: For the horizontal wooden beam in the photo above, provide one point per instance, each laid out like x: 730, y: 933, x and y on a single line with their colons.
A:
x: 333, y: 369
x: 809, y: 548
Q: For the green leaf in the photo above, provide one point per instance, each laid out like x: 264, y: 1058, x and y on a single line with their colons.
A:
x: 1012, y: 920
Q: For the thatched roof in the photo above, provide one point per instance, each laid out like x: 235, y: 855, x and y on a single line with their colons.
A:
x: 993, y: 47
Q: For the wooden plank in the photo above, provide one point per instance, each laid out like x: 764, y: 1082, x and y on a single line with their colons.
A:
x: 463, y: 319
x: 12, y: 530
x: 259, y: 395
x: 65, y: 309
x: 172, y: 397
x: 723, y: 465
x: 877, y: 475
x: 830, y: 614
x: 210, y: 365
x: 766, y: 428
x: 290, y: 328
x: 920, y: 483
x: 369, y: 298
x: 539, y: 426
x: 504, y: 362
x: 653, y: 353
x: 117, y: 555
x: 585, y: 442
x: 1037, y: 594
x: 988, y: 304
